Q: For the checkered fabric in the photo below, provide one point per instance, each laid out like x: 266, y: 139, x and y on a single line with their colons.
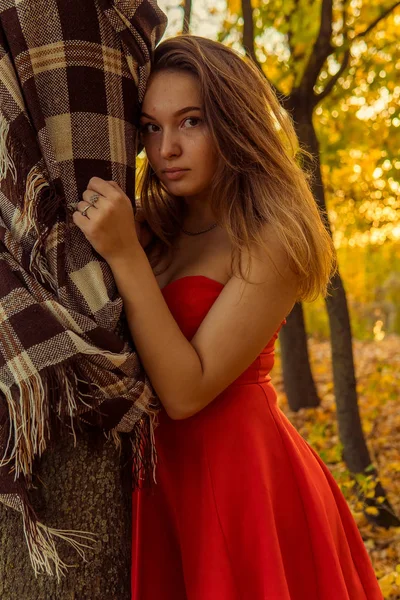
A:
x: 72, y: 76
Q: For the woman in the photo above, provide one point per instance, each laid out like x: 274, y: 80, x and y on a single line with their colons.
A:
x: 243, y: 508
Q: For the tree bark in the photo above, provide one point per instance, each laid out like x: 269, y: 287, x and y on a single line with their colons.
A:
x: 351, y: 435
x: 298, y: 380
x: 187, y: 15
x: 355, y: 451
x: 248, y: 31
x: 82, y: 488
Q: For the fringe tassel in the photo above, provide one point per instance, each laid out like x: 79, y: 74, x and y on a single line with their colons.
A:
x: 143, y: 450
x: 6, y: 161
x: 29, y: 420
x: 29, y: 415
x: 35, y: 184
x: 142, y: 439
x: 41, y: 543
x: 143, y: 447
x: 114, y: 436
x: 144, y: 453
x: 28, y: 405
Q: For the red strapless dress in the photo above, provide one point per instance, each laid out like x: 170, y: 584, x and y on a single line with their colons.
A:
x: 243, y: 507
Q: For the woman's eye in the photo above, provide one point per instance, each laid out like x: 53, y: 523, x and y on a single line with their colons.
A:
x: 149, y: 128
x: 191, y: 122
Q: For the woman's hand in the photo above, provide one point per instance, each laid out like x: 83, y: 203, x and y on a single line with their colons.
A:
x: 108, y: 221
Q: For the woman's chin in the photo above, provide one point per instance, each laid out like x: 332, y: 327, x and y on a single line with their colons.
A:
x: 177, y: 188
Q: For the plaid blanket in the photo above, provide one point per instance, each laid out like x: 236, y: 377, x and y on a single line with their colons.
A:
x: 72, y: 76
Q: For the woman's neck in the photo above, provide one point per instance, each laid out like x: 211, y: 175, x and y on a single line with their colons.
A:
x: 198, y: 215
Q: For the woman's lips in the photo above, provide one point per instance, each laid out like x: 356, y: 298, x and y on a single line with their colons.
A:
x: 173, y: 175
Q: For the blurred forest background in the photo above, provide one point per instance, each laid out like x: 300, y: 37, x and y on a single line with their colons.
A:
x: 335, y: 65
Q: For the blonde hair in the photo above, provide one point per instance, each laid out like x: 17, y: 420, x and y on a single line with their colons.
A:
x: 258, y: 179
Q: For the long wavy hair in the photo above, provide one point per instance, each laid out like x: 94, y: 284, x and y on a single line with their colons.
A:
x: 258, y: 177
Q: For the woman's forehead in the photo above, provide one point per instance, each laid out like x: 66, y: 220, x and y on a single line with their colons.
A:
x: 170, y: 91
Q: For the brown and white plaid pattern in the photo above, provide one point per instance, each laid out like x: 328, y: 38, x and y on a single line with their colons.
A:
x: 72, y: 76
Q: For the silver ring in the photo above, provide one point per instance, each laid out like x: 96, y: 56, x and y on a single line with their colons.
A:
x: 84, y: 211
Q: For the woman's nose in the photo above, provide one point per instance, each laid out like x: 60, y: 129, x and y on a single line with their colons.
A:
x: 170, y: 146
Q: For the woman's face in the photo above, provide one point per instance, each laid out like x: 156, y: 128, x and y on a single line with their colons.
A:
x: 177, y: 141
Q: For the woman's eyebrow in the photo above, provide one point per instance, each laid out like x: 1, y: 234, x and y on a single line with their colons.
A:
x: 179, y: 112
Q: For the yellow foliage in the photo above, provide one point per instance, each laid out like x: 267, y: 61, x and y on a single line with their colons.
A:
x: 235, y: 6
x: 387, y: 583
x: 372, y: 510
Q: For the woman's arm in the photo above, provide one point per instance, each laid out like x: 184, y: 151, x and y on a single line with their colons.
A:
x: 170, y: 360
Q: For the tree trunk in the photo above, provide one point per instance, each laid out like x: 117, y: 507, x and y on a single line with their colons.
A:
x: 355, y: 450
x: 298, y: 381
x: 78, y: 488
x: 351, y: 435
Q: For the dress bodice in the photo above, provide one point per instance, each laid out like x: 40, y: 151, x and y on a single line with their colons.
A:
x: 189, y: 300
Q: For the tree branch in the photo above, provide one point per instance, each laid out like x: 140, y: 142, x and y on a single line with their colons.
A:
x: 248, y: 31
x: 320, y: 52
x: 249, y: 47
x: 187, y: 13
x: 332, y: 82
x: 377, y: 20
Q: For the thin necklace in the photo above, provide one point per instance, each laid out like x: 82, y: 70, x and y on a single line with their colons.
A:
x: 199, y: 232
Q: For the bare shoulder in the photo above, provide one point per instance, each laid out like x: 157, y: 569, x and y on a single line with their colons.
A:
x: 269, y: 263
